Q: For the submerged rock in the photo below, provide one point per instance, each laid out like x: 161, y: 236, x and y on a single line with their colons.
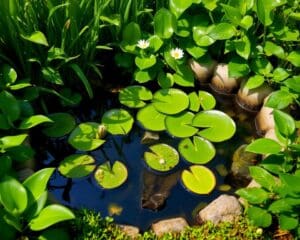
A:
x: 130, y: 231
x: 225, y: 208
x: 169, y: 225
x: 202, y: 71
x: 149, y: 137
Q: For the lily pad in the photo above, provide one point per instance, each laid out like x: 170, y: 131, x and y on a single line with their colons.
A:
x: 194, y: 102
x: 63, y: 123
x: 110, y: 177
x: 207, y: 100
x: 217, y: 125
x: 198, y: 179
x: 162, y: 157
x: 85, y: 137
x: 118, y: 121
x: 180, y: 125
x: 151, y: 119
x: 170, y: 101
x: 77, y: 166
x: 134, y: 96
x: 200, y: 151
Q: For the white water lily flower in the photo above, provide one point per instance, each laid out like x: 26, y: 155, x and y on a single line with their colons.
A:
x: 143, y: 44
x: 177, y: 53
x: 162, y: 161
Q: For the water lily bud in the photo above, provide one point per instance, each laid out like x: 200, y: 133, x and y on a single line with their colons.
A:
x: 102, y: 131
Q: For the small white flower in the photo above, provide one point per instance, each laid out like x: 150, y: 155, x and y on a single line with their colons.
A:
x: 143, y: 44
x: 162, y: 161
x: 177, y: 53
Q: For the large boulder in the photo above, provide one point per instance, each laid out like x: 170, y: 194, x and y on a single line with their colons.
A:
x: 130, y: 231
x: 169, y: 225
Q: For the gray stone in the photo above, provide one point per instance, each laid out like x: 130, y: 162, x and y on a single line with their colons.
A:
x: 169, y: 225
x: 225, y: 208
x: 130, y: 231
x: 149, y: 137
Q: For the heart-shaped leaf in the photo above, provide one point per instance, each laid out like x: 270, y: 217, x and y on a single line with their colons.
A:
x: 207, y: 100
x: 134, y: 96
x: 145, y: 62
x: 164, y: 23
x: 151, y: 119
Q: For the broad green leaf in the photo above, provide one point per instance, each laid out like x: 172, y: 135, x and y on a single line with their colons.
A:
x: 145, y: 62
x: 284, y: 122
x: 5, y: 165
x: 263, y: 177
x: 243, y: 47
x: 135, y: 96
x: 294, y: 58
x: 261, y: 66
x: 264, y: 11
x: 273, y: 49
x: 4, y: 122
x: 194, y: 102
x: 36, y: 184
x: 117, y: 121
x: 246, y: 22
x: 291, y: 181
x: 34, y: 121
x: 162, y: 157
x: 198, y: 151
x: 111, y: 177
x: 164, y: 23
x: 21, y: 153
x: 264, y: 146
x: 273, y: 163
x: 279, y: 99
x: 12, y: 141
x: 8, y: 75
x: 279, y: 74
x: 50, y: 215
x: 183, y: 26
x: 280, y: 205
x: 184, y: 76
x: 253, y: 195
x: 177, y: 7
x: 293, y: 83
x: 210, y: 4
x: 238, y: 67
x: 55, y: 234
x: 259, y: 217
x: 145, y: 75
x: 201, y: 38
x: 288, y: 222
x: 255, y: 81
x: 13, y: 195
x: 9, y: 106
x: 222, y: 31
x: 232, y: 14
x: 207, y: 100
x: 155, y: 43
x: 53, y: 76
x: 180, y: 125
x: 198, y: 179
x: 77, y: 166
x: 165, y: 80
x: 36, y: 206
x: 131, y: 33
x: 151, y: 119
x: 37, y: 37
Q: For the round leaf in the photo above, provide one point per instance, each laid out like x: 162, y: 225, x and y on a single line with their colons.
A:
x: 200, y: 151
x: 111, y: 177
x: 145, y: 62
x: 164, y: 23
x: 179, y: 125
x: 198, y: 179
x: 207, y: 101
x: 222, y: 31
x: 260, y: 217
x: 134, y: 96
x: 63, y: 123
x: 151, y: 119
x: 162, y: 157
x: 85, y: 137
x: 77, y: 166
x: 170, y: 101
x: 117, y: 121
x: 217, y: 125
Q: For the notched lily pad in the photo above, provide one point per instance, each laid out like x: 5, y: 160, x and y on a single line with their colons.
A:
x: 85, y: 137
x: 170, y: 101
x: 63, y: 123
x: 109, y: 177
x: 207, y: 100
x: 162, y: 157
x: 198, y: 179
x: 198, y: 151
x: 117, y: 121
x: 77, y: 166
x: 180, y: 125
x: 151, y: 119
x: 134, y: 96
x: 217, y: 125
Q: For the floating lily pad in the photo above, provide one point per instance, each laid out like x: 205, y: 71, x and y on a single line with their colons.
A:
x: 117, y: 121
x: 145, y: 62
x: 170, y: 101
x: 200, y: 151
x: 111, y: 177
x: 198, y: 179
x: 162, y: 157
x: 207, y: 100
x: 151, y: 119
x: 134, y: 96
x: 63, y: 123
x: 194, y: 102
x: 179, y: 125
x: 77, y: 166
x: 217, y: 125
x: 85, y: 137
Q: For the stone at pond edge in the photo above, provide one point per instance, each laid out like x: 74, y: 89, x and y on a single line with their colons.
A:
x: 225, y: 208
x: 149, y: 137
x: 173, y: 225
x: 130, y: 231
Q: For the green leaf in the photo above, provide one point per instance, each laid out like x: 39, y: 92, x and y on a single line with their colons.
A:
x: 37, y: 37
x: 162, y: 157
x: 36, y: 206
x: 8, y: 75
x: 13, y: 195
x: 210, y: 4
x: 279, y: 99
x: 288, y: 222
x: 246, y: 22
x: 9, y: 106
x: 145, y: 76
x: 255, y: 81
x: 151, y: 119
x: 12, y: 141
x: 259, y: 217
x: 51, y: 75
x: 238, y: 67
x: 111, y: 177
x: 264, y: 146
x: 293, y: 83
x: 55, y: 234
x: 243, y: 47
x: 232, y: 14
x: 253, y: 195
x: 135, y: 96
x: 200, y: 151
x: 36, y: 184
x: 284, y: 122
x: 273, y: 49
x: 164, y: 23
x: 177, y: 7
x: 201, y: 37
x: 165, y: 80
x: 184, y: 76
x: 279, y: 74
x: 198, y: 179
x: 117, y: 121
x: 145, y: 62
x: 34, y: 121
x: 50, y: 215
x: 207, y: 100
x: 131, y: 33
x: 291, y: 181
x: 77, y: 166
x: 5, y: 165
x: 222, y: 31
x: 264, y: 11
x: 261, y: 66
x: 21, y: 153
x: 294, y: 58
x: 280, y: 206
x: 194, y: 102
x: 262, y: 177
x: 155, y: 43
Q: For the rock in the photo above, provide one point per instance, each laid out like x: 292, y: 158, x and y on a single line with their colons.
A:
x: 202, y: 71
x: 270, y: 134
x: 264, y: 120
x: 130, y: 231
x: 149, y: 137
x: 169, y: 225
x: 225, y: 208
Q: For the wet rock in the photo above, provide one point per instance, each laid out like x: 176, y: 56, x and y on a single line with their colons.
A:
x: 225, y: 208
x: 156, y: 189
x: 264, y: 120
x: 270, y: 134
x: 149, y: 137
x: 202, y: 71
x: 130, y: 231
x: 169, y: 225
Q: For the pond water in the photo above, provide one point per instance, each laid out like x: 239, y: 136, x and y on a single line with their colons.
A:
x: 125, y: 202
